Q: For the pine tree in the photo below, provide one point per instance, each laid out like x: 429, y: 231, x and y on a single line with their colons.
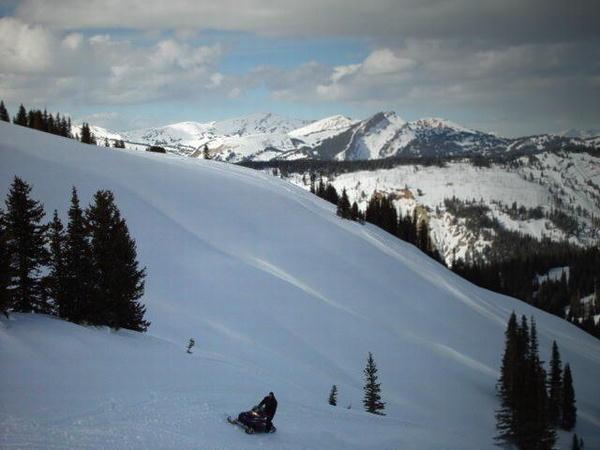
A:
x: 87, y: 137
x: 3, y: 112
x: 535, y: 430
x: 372, y: 389
x: 355, y: 213
x: 333, y: 396
x: 569, y: 410
x: 77, y: 305
x: 575, y: 443
x: 555, y: 385
x: 119, y: 284
x: 25, y: 246
x: 320, y: 191
x: 423, y: 241
x: 331, y: 194
x: 508, y: 382
x: 5, y: 299
x: 21, y: 117
x: 523, y: 418
x: 343, y: 205
x: 56, y: 280
x: 205, y: 153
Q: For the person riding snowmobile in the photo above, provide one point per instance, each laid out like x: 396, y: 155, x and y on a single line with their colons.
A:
x: 268, y: 407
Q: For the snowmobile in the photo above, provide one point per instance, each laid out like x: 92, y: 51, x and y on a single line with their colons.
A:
x: 252, y: 421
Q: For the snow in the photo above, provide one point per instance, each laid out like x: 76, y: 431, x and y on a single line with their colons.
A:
x: 569, y: 182
x: 316, y: 132
x: 554, y: 274
x: 371, y: 137
x: 381, y: 135
x: 438, y: 123
x: 279, y: 294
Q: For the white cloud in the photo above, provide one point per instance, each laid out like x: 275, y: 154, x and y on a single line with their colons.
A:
x: 24, y: 48
x: 385, y: 62
x: 40, y: 63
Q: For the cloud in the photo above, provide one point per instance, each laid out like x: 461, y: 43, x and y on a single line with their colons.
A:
x: 535, y: 82
x: 507, y: 20
x: 509, y: 58
x: 24, y: 48
x: 40, y: 63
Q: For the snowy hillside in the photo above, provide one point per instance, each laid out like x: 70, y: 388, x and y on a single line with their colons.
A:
x: 265, y: 136
x: 566, y: 182
x: 280, y: 294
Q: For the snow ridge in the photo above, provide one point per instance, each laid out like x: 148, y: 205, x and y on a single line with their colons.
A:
x: 265, y: 136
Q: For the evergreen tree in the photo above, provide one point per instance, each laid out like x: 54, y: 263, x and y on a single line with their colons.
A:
x: 555, y: 385
x: 25, y: 247
x: 21, y: 117
x: 205, y: 153
x: 508, y: 382
x: 535, y: 428
x: 333, y: 396
x: 5, y: 299
x: 372, y: 389
x: 423, y: 241
x: 575, y: 443
x: 569, y: 410
x: 355, y: 213
x: 87, y: 137
x: 331, y: 194
x: 321, y: 188
x: 119, y: 284
x: 343, y: 205
x: 3, y: 112
x: 523, y: 418
x: 77, y: 306
x: 56, y: 280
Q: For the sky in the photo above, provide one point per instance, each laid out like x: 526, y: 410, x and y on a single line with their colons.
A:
x: 512, y: 67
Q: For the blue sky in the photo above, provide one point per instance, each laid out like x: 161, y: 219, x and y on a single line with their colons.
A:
x: 509, y: 67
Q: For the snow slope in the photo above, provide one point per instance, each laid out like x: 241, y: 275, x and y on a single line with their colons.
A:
x: 279, y: 294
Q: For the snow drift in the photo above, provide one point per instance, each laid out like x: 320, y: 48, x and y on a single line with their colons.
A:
x: 279, y: 294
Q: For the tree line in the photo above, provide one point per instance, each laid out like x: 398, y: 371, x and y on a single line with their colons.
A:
x: 332, y: 168
x: 381, y: 212
x: 86, y: 272
x: 39, y: 120
x: 512, y: 263
x: 512, y: 267
x: 54, y: 124
x: 533, y: 403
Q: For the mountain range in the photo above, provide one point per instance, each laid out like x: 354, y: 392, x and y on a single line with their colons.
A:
x: 266, y: 136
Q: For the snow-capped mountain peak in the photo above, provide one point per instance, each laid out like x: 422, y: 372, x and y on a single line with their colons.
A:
x: 436, y: 123
x: 257, y: 123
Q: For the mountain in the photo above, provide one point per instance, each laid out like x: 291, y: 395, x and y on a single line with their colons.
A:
x: 553, y: 195
x: 581, y: 134
x: 264, y: 136
x: 280, y: 295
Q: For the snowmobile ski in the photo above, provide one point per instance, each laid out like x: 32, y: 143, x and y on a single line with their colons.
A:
x: 246, y: 428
